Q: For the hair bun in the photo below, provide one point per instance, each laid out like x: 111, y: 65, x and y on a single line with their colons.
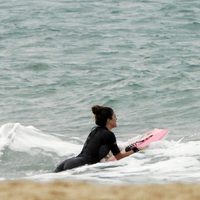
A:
x: 97, y: 109
x: 102, y: 114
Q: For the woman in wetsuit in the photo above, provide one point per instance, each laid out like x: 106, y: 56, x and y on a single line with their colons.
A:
x: 100, y: 141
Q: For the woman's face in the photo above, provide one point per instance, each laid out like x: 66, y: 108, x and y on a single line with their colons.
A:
x: 113, y: 121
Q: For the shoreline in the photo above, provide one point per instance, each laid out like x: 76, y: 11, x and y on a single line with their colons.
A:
x: 61, y: 190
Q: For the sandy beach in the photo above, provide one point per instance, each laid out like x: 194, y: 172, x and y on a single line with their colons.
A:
x: 26, y: 190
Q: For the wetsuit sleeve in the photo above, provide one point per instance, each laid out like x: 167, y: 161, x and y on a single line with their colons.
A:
x: 113, y: 145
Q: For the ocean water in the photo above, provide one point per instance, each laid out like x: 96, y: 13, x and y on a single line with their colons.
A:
x: 59, y: 58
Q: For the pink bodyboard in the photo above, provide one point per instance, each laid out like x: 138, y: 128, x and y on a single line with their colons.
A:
x: 149, y: 137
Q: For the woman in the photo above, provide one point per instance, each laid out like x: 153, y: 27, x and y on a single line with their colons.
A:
x: 100, y: 141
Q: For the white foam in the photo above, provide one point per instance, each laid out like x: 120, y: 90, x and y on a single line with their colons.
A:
x: 28, y: 138
x: 161, y: 161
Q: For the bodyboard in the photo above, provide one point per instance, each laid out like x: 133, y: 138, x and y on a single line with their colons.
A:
x: 145, y: 140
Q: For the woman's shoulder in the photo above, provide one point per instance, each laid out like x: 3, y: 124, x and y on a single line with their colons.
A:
x: 104, y: 130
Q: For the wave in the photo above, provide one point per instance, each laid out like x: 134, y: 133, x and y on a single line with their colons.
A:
x: 17, y: 137
x: 162, y: 161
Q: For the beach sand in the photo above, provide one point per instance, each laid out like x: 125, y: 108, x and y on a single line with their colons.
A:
x: 27, y: 190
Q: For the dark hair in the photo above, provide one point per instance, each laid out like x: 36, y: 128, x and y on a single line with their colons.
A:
x: 102, y: 114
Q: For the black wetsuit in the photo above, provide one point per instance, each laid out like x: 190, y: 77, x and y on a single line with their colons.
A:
x: 98, y: 144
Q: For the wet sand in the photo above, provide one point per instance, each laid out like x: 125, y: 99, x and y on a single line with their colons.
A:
x: 26, y: 190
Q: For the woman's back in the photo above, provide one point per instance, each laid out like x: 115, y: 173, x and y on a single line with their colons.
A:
x: 98, y: 138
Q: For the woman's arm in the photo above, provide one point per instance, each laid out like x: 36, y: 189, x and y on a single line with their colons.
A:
x: 124, y: 154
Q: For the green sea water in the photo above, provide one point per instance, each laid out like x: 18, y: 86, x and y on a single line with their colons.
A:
x: 59, y: 58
